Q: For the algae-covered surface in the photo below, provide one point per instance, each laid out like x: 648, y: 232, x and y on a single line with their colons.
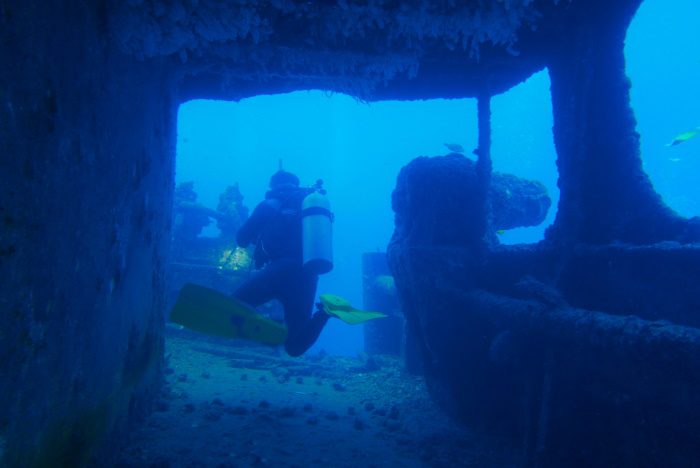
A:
x: 227, y: 405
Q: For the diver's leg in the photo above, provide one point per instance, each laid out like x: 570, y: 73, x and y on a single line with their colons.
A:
x: 303, y: 327
x: 262, y: 287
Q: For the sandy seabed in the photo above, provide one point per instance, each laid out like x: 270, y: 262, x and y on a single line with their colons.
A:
x: 227, y: 405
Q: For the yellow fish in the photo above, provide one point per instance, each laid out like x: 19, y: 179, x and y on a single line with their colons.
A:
x: 454, y: 147
x: 685, y: 136
x: 385, y: 282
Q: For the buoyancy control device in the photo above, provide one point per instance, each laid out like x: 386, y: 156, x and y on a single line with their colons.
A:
x: 317, y: 232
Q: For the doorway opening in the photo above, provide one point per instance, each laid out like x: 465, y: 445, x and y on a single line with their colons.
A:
x: 357, y: 149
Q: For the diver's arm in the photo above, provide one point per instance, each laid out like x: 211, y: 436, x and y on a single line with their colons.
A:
x: 253, y: 226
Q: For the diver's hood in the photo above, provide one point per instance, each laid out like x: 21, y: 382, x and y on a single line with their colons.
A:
x: 281, y: 177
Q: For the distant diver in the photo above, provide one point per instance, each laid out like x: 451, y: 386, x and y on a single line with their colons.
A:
x: 291, y: 231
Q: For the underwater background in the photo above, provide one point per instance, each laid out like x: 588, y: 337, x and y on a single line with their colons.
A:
x: 358, y: 148
x: 542, y: 315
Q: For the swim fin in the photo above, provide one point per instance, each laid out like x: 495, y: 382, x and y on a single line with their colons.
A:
x: 341, y: 308
x: 208, y: 311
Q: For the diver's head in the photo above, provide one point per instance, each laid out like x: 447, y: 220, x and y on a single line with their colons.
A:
x: 281, y: 179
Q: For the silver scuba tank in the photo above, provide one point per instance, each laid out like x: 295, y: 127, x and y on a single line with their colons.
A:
x: 317, y: 232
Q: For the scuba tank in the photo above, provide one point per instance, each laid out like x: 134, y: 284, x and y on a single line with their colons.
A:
x: 316, y: 231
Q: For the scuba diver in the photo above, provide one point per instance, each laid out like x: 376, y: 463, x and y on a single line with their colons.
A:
x: 291, y: 231
x: 275, y: 227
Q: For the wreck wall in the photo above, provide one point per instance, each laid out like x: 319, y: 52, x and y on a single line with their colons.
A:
x: 87, y: 148
x: 582, y: 357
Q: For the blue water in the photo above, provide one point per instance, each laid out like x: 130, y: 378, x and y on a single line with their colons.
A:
x: 663, y: 63
x: 359, y: 148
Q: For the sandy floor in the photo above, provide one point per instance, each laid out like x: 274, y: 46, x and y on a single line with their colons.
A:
x: 226, y: 406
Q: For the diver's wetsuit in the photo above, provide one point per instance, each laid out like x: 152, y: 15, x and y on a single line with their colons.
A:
x: 276, y: 226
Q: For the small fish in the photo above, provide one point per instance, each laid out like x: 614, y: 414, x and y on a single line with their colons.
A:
x: 454, y: 147
x: 685, y: 136
x: 674, y: 160
x: 500, y: 232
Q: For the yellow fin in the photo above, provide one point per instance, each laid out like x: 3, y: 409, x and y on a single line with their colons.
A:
x: 208, y: 311
x: 335, y: 302
x: 341, y: 308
